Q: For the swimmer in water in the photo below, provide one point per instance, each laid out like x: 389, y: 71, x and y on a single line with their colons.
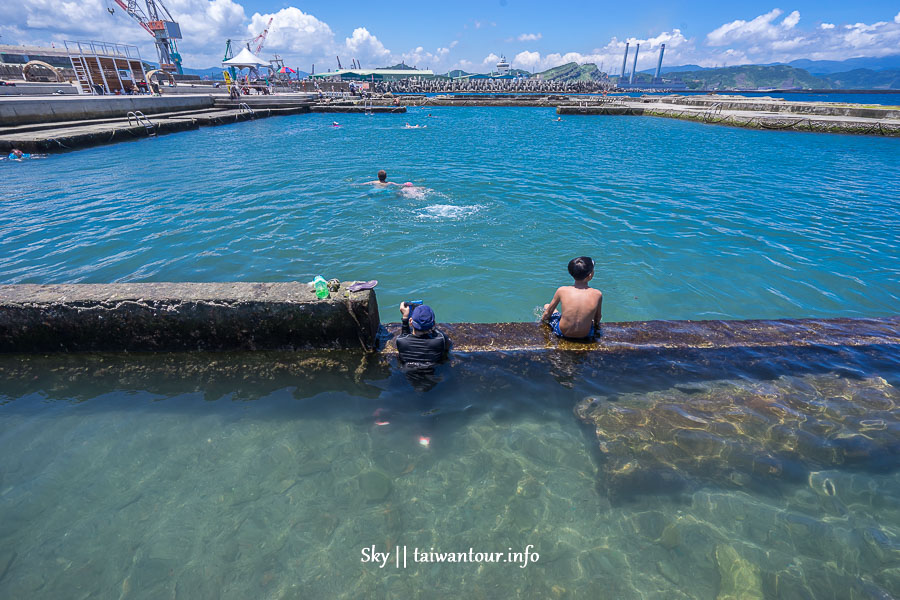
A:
x: 558, y: 119
x: 335, y: 124
x: 16, y: 154
x: 382, y: 180
x: 408, y: 126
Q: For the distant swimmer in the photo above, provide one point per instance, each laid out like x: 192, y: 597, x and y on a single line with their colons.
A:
x: 382, y: 180
x: 335, y: 124
x: 18, y: 156
x: 558, y: 119
x: 408, y: 126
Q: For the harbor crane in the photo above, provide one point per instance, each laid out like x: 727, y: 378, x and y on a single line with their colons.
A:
x: 261, y: 38
x: 158, y: 22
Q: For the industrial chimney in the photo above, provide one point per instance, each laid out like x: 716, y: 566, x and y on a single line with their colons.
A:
x: 662, y: 50
x: 634, y: 66
x: 624, y: 61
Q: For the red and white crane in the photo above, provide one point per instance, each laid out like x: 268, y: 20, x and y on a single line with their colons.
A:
x: 260, y: 39
x: 158, y: 22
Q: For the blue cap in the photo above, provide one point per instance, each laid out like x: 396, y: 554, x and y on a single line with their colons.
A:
x: 422, y: 318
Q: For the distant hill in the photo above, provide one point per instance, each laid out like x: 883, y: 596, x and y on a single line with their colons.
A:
x: 827, y: 67
x: 573, y: 72
x: 400, y: 67
x: 751, y: 77
x: 866, y: 79
x: 680, y: 68
x: 458, y: 73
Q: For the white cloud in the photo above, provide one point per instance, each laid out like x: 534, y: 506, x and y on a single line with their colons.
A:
x: 791, y: 20
x: 760, y: 27
x: 293, y: 31
x: 363, y: 43
x: 527, y: 60
x: 301, y: 38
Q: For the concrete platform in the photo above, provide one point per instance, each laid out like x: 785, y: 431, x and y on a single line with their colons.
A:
x: 754, y: 113
x: 331, y: 108
x: 667, y: 335
x: 21, y: 110
x: 59, y: 137
x: 183, y: 316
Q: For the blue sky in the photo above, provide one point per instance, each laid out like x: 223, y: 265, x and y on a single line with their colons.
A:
x: 470, y: 35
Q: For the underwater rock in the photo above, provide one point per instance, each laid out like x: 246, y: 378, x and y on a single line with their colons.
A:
x: 744, y: 434
x: 739, y: 578
x: 375, y: 486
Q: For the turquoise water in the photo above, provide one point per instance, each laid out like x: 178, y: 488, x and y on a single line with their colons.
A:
x: 684, y: 220
x: 754, y: 473
x: 757, y: 473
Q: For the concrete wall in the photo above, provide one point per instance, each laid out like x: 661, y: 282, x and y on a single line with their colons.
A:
x: 183, y: 316
x: 33, y: 88
x: 20, y: 111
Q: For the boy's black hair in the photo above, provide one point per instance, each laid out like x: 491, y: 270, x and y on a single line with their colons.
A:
x: 581, y: 267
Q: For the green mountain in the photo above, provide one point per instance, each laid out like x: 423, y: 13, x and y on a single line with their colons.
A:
x: 573, y: 72
x: 866, y: 79
x: 750, y: 77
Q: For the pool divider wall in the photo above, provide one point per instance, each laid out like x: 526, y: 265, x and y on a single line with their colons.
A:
x: 163, y: 317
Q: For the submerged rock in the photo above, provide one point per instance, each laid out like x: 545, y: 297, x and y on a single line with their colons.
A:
x: 375, y: 486
x: 744, y: 434
x: 739, y: 578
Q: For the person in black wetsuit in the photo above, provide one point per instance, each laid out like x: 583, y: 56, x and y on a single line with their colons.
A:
x: 421, y: 346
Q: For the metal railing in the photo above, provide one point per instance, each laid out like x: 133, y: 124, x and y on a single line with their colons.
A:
x: 103, y: 49
x: 139, y: 119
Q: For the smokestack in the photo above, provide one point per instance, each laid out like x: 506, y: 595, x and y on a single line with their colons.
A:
x: 662, y: 50
x: 634, y: 66
x: 624, y: 60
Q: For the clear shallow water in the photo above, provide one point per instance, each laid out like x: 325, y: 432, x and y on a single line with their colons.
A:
x: 685, y: 221
x: 265, y: 475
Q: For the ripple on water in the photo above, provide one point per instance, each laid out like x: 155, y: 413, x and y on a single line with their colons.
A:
x: 670, y: 210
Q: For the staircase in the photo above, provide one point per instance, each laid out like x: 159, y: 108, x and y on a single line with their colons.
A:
x: 82, y: 74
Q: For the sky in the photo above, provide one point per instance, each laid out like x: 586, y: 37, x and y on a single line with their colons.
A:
x: 471, y: 35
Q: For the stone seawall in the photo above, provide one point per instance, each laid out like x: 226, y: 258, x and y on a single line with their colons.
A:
x: 183, y: 316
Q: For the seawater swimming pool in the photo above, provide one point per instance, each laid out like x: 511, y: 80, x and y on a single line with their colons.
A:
x: 670, y: 211
x: 763, y: 472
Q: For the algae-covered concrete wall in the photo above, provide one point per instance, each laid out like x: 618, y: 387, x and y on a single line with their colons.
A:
x: 183, y: 316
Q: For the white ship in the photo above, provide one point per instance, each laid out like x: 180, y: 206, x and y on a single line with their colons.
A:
x: 503, y: 66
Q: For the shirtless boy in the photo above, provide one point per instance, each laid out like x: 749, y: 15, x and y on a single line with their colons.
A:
x: 382, y: 180
x: 582, y: 304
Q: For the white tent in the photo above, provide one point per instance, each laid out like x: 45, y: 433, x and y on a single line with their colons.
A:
x: 245, y: 59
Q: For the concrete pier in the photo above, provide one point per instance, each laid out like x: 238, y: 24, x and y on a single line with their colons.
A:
x: 183, y: 316
x: 357, y: 108
x: 752, y: 113
x: 56, y: 136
